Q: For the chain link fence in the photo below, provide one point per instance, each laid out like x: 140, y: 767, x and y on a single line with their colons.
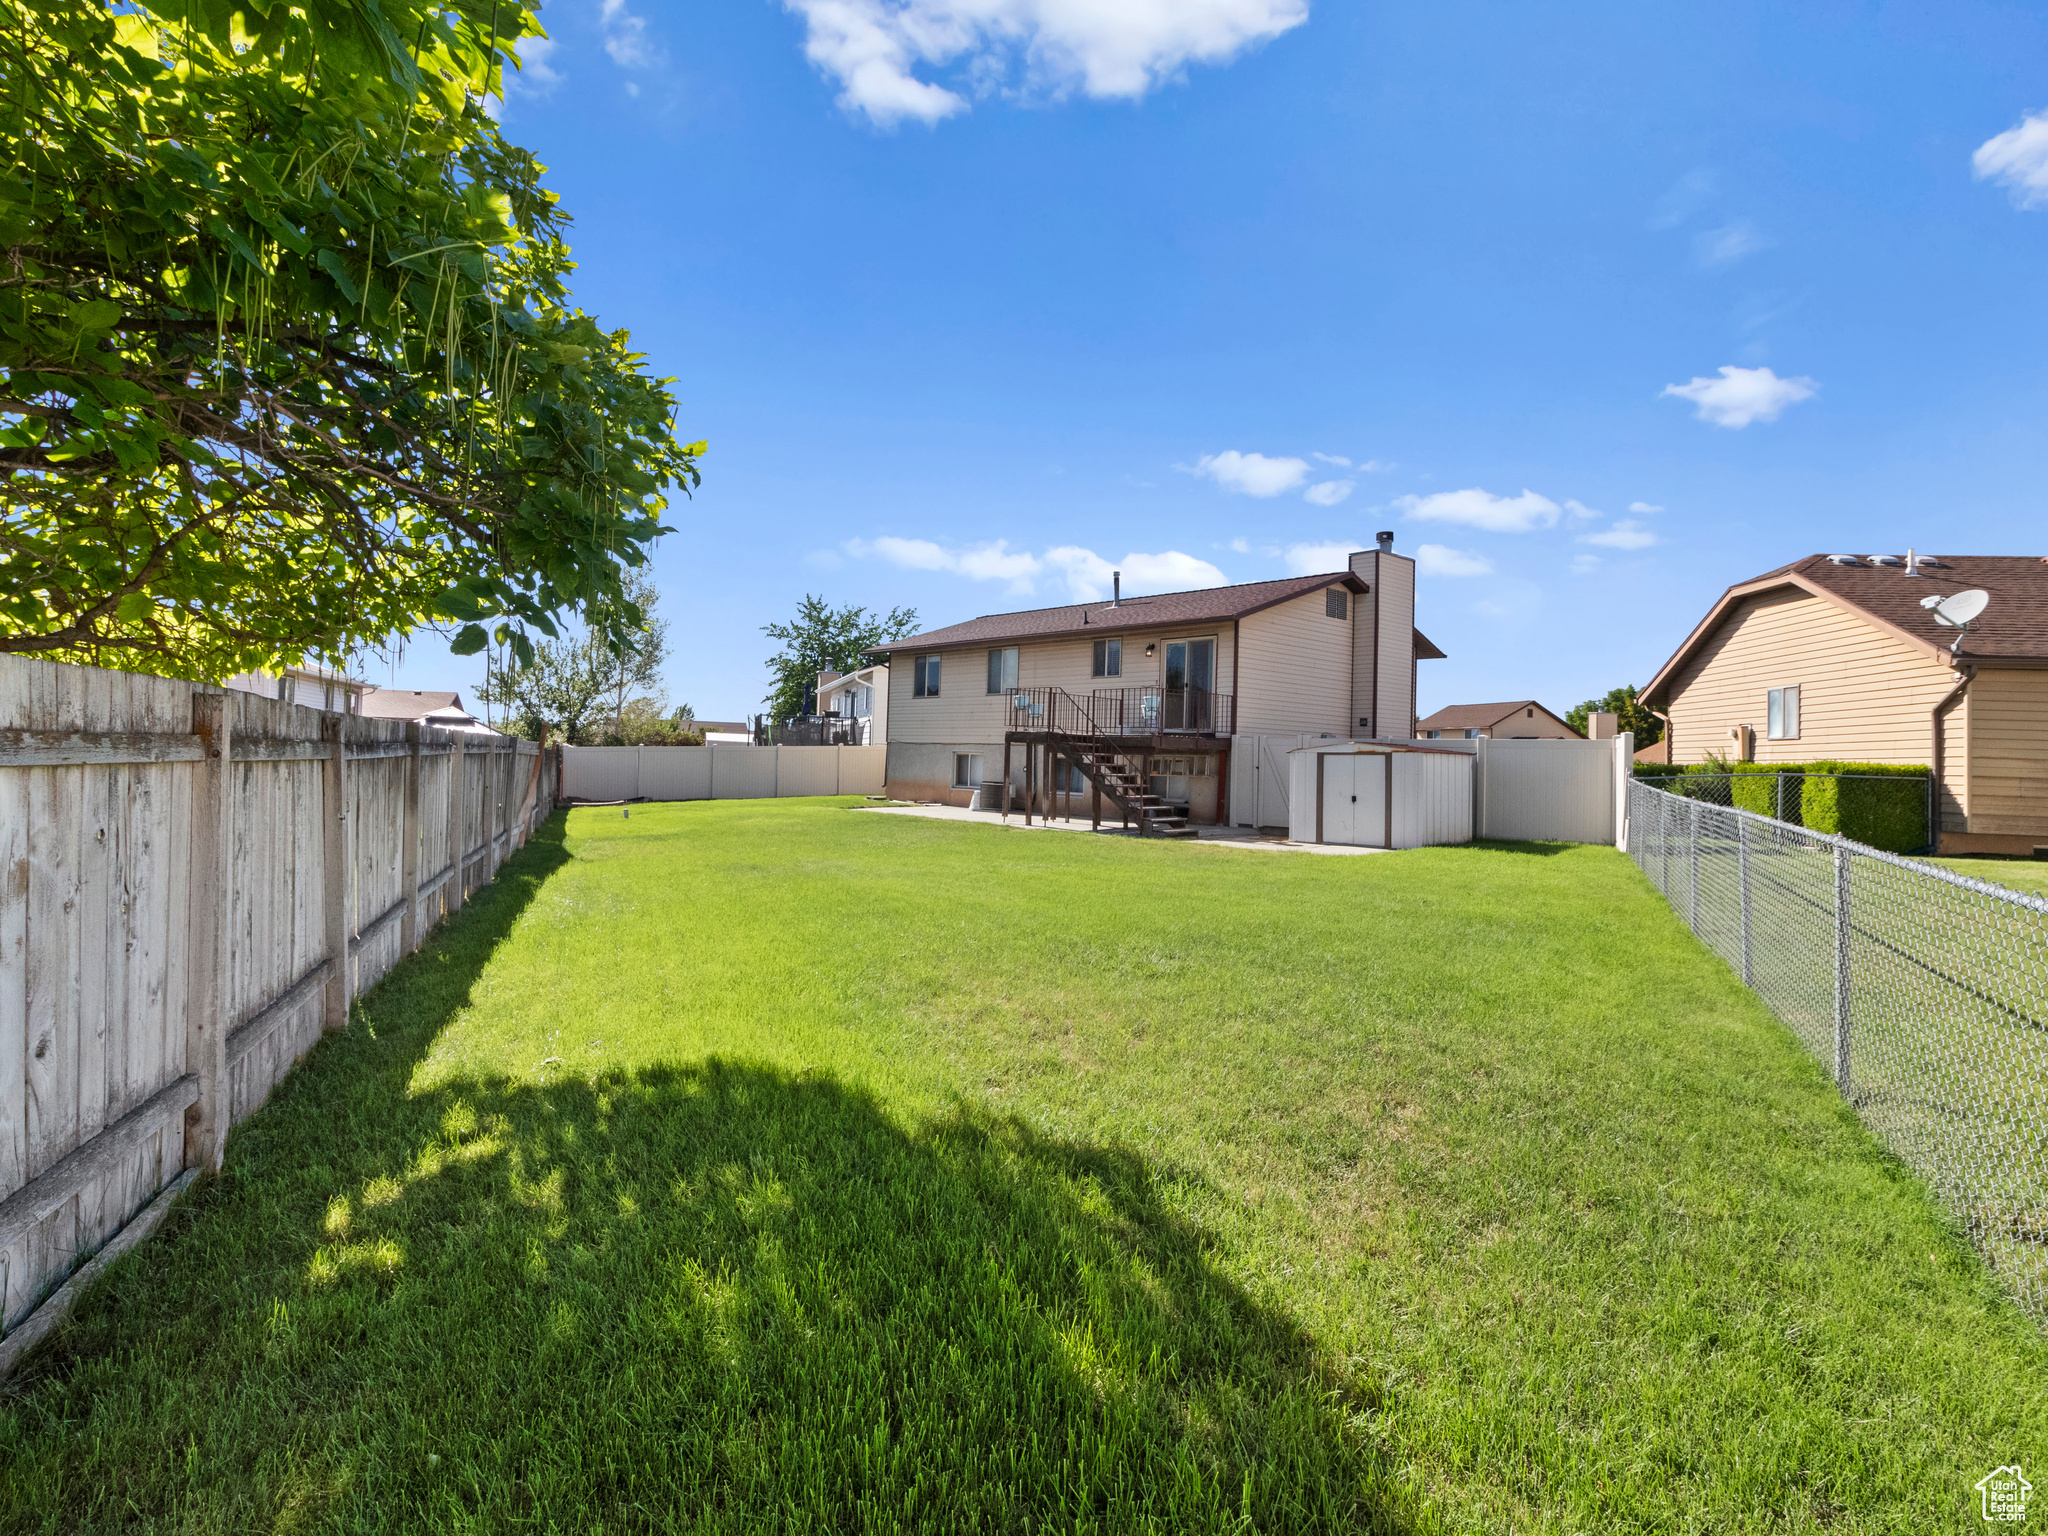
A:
x: 1924, y: 992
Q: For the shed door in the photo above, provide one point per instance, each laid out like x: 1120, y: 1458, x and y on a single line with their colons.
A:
x: 1355, y: 800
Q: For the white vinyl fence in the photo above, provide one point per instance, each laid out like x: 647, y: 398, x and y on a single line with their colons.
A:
x: 719, y: 772
x: 196, y: 884
x: 1521, y: 791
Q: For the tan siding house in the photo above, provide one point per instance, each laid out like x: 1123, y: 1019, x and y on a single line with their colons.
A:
x: 1173, y: 675
x: 1827, y: 659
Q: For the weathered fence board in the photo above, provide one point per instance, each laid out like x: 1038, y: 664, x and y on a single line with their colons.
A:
x: 193, y: 884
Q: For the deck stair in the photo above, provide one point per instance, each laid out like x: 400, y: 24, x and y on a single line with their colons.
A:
x: 1117, y: 777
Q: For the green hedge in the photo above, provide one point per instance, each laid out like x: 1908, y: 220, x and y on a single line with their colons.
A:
x: 1865, y: 807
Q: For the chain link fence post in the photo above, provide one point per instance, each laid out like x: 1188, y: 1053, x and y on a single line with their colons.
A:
x: 1742, y: 881
x: 1841, y: 852
x: 1692, y: 896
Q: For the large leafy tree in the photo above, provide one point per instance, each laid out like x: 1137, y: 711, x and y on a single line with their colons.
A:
x: 1623, y: 703
x: 822, y: 637
x: 288, y: 362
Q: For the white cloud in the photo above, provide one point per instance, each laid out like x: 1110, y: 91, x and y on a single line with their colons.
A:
x: 1315, y: 559
x: 2019, y: 158
x: 1729, y: 244
x: 1583, y: 565
x: 1690, y: 193
x: 1475, y: 508
x: 1085, y: 574
x: 1643, y: 506
x: 1377, y: 466
x: 1579, y: 512
x: 1441, y: 560
x: 1253, y: 474
x: 1240, y: 546
x: 1337, y: 459
x: 625, y: 37
x: 1049, y: 48
x: 1327, y: 493
x: 535, y: 76
x: 1742, y: 395
x: 1626, y: 534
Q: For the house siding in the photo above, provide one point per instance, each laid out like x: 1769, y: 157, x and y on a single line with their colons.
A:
x: 966, y: 717
x: 1294, y: 669
x: 2007, y: 733
x: 1864, y: 696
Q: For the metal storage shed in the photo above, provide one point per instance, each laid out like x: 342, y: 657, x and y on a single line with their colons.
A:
x: 1376, y: 795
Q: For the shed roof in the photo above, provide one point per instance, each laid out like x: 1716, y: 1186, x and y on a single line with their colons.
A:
x: 1161, y: 610
x: 2013, y: 629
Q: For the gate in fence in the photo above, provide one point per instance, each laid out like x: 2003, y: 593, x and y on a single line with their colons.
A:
x: 1925, y: 993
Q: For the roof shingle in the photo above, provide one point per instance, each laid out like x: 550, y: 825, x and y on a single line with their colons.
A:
x: 1161, y: 610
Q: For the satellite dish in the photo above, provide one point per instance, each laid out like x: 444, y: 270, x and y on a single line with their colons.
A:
x: 1955, y: 611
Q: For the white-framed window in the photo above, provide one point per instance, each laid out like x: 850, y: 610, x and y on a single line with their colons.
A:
x: 967, y: 770
x: 1783, y: 710
x: 1336, y: 603
x: 1002, y: 669
x: 1472, y: 733
x: 1431, y: 735
x: 925, y: 678
x: 1109, y: 658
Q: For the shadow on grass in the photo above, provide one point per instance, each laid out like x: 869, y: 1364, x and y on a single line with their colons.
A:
x: 713, y: 1295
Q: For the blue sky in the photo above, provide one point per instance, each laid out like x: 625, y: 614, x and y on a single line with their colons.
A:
x: 1599, y: 308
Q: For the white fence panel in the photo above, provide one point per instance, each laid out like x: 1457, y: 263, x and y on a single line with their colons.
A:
x: 675, y: 773
x: 1552, y: 791
x: 807, y: 770
x: 743, y: 773
x: 862, y: 769
x: 601, y: 773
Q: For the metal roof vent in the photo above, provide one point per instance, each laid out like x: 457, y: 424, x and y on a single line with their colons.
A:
x: 1887, y: 559
x: 1843, y: 560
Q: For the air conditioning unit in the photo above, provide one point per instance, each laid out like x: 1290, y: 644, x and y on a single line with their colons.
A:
x: 1742, y: 743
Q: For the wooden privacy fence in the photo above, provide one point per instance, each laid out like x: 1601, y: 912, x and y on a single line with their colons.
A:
x: 193, y: 885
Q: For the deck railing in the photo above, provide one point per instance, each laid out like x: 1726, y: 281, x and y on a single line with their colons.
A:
x: 1126, y: 712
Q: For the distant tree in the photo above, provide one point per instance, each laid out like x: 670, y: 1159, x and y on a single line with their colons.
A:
x: 635, y: 667
x: 1632, y: 716
x: 566, y: 684
x: 684, y: 713
x: 821, y: 638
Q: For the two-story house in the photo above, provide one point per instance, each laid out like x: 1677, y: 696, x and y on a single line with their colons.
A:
x: 1138, y: 698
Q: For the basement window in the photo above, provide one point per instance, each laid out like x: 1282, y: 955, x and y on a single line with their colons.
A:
x: 1784, y: 714
x: 967, y: 770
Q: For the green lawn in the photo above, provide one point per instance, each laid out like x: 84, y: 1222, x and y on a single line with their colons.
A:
x: 770, y: 1166
x: 2029, y: 875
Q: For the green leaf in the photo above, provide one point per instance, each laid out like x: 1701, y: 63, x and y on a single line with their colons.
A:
x: 468, y: 640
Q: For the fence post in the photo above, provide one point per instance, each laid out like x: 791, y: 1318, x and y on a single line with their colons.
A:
x: 458, y: 822
x: 409, y: 844
x: 334, y: 871
x: 1692, y: 896
x: 1778, y: 780
x: 1842, y: 968
x: 1742, y: 879
x: 1933, y: 831
x: 494, y: 809
x: 207, y: 920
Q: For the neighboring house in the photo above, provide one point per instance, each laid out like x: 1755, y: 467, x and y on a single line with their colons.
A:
x: 860, y: 698
x: 314, y: 687
x: 422, y: 706
x: 1140, y: 696
x: 1515, y: 720
x: 1837, y: 657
